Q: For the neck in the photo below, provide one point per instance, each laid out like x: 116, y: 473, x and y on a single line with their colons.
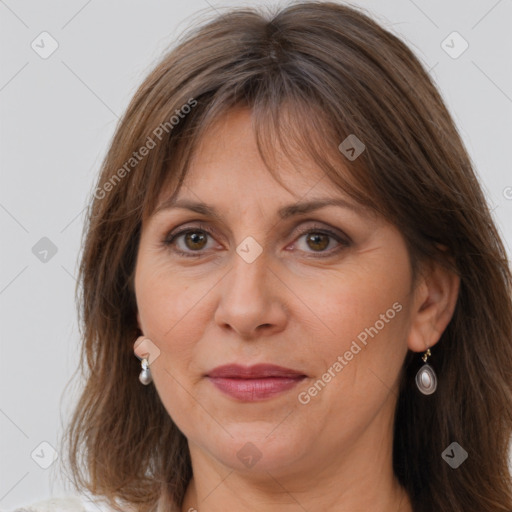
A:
x: 231, y: 492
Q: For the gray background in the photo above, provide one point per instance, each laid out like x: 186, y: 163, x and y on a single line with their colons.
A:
x: 57, y: 117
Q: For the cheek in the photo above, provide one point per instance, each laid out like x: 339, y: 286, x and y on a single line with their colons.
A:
x: 164, y: 302
x: 168, y: 306
x: 360, y: 353
x: 362, y: 317
x: 164, y: 296
x: 355, y: 298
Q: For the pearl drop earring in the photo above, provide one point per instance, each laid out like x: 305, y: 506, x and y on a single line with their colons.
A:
x: 145, y: 375
x: 426, y: 378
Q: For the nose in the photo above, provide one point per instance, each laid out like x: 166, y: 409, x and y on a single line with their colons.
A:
x: 252, y: 299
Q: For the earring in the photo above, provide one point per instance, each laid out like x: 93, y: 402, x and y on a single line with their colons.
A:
x: 145, y: 375
x: 426, y: 378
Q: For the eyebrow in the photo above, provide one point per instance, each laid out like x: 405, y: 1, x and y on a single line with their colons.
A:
x: 285, y: 212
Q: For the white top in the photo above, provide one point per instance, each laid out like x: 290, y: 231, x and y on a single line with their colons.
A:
x: 68, y: 503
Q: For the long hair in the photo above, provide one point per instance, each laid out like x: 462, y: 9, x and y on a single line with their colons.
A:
x: 313, y: 74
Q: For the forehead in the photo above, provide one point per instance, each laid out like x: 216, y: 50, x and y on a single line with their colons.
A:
x: 242, y: 156
x: 227, y: 159
x: 227, y: 168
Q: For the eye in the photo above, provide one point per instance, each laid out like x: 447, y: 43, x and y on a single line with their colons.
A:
x: 318, y: 239
x: 191, y: 241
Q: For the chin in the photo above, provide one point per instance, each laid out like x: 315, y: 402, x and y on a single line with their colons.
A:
x: 257, y: 448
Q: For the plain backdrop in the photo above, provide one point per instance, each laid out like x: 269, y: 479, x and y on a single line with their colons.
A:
x: 58, y: 115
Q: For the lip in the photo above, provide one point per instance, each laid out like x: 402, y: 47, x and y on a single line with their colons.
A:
x: 254, y: 383
x: 257, y: 371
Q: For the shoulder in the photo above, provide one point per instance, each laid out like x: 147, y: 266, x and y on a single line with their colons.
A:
x: 70, y: 503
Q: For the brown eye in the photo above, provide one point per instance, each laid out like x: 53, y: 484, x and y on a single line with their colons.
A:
x: 194, y: 240
x: 317, y: 241
x: 188, y: 242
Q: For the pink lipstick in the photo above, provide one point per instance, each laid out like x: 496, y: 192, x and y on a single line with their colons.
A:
x: 254, y: 383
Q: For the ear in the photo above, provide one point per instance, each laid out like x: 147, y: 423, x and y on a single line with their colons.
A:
x: 140, y: 331
x: 141, y: 347
x: 144, y: 347
x: 435, y: 297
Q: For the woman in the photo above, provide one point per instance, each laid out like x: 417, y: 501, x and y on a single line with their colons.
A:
x: 293, y: 294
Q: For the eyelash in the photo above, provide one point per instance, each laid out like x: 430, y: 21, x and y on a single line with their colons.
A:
x: 170, y: 238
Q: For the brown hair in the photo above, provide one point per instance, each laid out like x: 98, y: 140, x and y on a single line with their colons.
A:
x: 312, y: 74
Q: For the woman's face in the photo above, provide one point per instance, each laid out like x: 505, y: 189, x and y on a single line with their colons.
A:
x: 249, y: 286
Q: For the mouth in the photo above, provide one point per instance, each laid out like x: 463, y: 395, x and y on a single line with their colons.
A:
x: 254, y: 383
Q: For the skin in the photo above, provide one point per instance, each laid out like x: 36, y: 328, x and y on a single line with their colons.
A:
x: 290, y: 307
